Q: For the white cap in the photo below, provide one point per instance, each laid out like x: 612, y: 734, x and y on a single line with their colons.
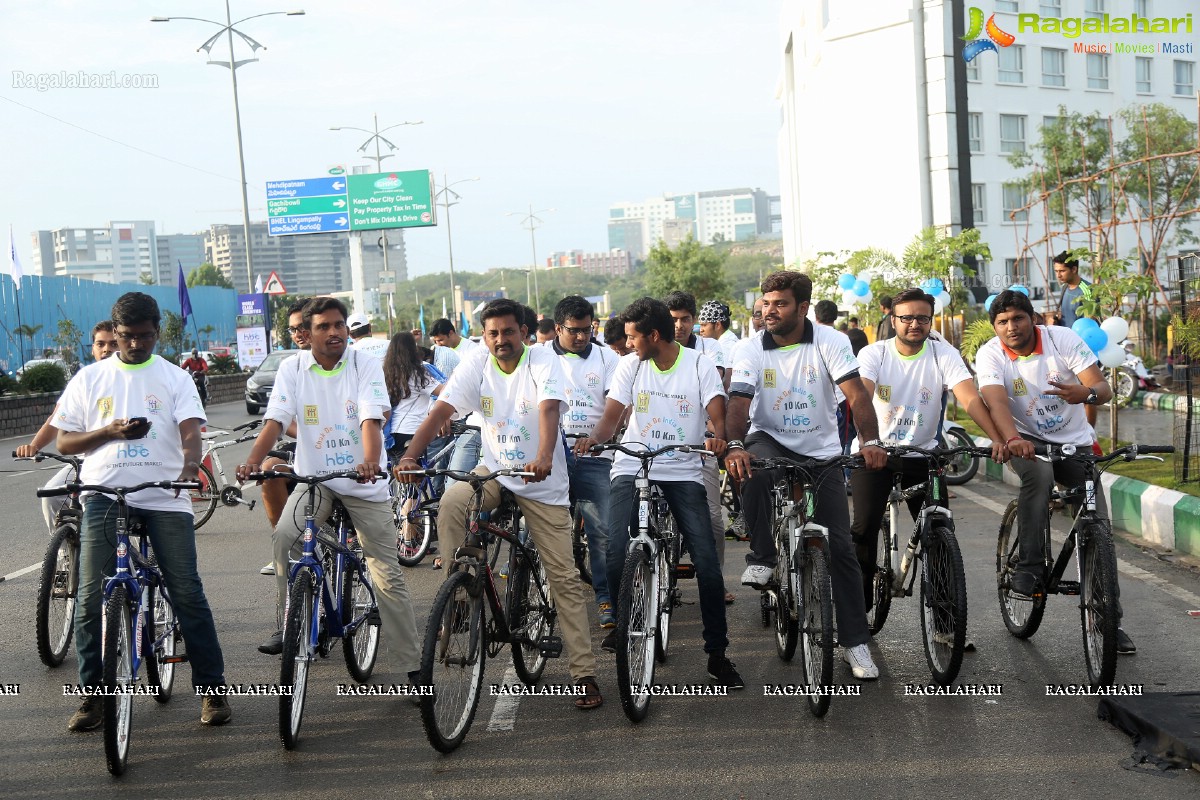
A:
x: 358, y: 320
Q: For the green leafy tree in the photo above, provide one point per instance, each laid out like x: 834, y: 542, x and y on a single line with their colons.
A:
x: 69, y: 340
x: 1116, y: 283
x: 172, y: 339
x: 224, y: 365
x: 26, y: 332
x: 279, y: 320
x: 208, y: 275
x: 690, y: 267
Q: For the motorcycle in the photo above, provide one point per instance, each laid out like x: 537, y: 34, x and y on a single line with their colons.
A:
x: 200, y: 378
x: 1130, y: 378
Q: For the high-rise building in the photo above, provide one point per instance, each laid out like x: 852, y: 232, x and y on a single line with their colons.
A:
x: 121, y: 252
x: 730, y: 215
x: 179, y: 249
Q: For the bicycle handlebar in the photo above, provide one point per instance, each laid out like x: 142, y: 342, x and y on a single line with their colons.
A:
x: 254, y: 423
x: 650, y: 455
x: 117, y: 491
x: 1081, y: 453
x: 853, y: 462
x: 309, y: 479
x: 39, y: 456
x: 467, y: 477
x: 938, y: 452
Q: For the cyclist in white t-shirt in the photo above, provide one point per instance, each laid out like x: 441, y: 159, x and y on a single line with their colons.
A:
x: 519, y: 393
x: 364, y: 342
x: 792, y: 369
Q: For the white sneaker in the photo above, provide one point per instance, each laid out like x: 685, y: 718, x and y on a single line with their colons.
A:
x: 757, y: 576
x: 269, y: 569
x: 859, y: 659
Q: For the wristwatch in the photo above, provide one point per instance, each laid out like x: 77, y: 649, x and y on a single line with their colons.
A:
x: 872, y: 443
x: 1092, y: 398
x: 735, y: 444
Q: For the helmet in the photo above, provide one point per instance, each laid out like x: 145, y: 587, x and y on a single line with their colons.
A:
x: 714, y: 311
x: 358, y: 320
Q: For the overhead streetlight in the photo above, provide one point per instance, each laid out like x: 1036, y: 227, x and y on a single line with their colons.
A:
x: 531, y: 220
x: 228, y: 29
x: 445, y: 193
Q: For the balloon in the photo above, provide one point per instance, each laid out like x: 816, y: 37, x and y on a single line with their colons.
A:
x: 932, y: 286
x: 944, y: 296
x: 1116, y: 328
x: 846, y: 281
x: 849, y: 298
x: 1095, y: 338
x: 987, y: 304
x: 1084, y: 324
x: 1016, y: 287
x: 939, y: 302
x: 1113, y: 355
x: 866, y: 298
x: 861, y: 288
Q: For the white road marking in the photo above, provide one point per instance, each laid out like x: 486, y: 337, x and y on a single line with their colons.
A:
x: 32, y: 567
x: 504, y: 714
x: 1122, y: 566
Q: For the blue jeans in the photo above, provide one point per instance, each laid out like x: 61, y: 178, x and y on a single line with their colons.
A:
x: 466, y: 454
x: 173, y: 539
x: 689, y: 506
x: 590, y: 490
x: 439, y: 481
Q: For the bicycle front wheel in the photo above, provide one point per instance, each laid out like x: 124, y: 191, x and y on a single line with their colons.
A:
x: 204, y: 499
x: 1022, y: 615
x: 787, y: 614
x: 160, y: 621
x: 668, y: 586
x: 962, y: 467
x: 416, y: 524
x: 118, y: 677
x: 816, y: 651
x: 56, y: 595
x: 361, y: 645
x: 1098, y: 604
x: 635, y: 635
x: 943, y: 605
x: 452, y: 661
x: 579, y: 547
x: 529, y: 617
x: 297, y: 655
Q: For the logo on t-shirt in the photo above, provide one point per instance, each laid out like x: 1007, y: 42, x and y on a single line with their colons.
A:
x: 105, y: 406
x: 925, y: 395
x: 810, y: 373
x: 485, y: 405
x: 643, y: 403
x: 153, y: 404
x: 310, y: 415
x: 768, y: 379
x: 524, y: 408
x: 685, y: 408
x: 351, y: 409
x: 593, y: 380
x: 1019, y: 387
x: 883, y: 392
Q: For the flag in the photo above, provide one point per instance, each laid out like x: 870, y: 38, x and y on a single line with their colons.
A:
x: 14, y: 261
x: 185, y: 301
x: 466, y: 325
x: 444, y: 316
x: 421, y: 321
x: 258, y: 284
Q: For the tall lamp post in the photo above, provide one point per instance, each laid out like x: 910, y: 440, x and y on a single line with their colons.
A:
x: 377, y: 137
x: 531, y: 220
x: 445, y: 193
x: 228, y: 30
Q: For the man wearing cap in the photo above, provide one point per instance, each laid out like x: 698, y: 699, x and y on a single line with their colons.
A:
x: 360, y: 332
x: 714, y: 324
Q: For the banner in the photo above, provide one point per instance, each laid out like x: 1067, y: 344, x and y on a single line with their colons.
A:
x: 253, y: 329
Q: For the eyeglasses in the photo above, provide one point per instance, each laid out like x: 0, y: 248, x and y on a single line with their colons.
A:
x: 137, y: 337
x: 294, y: 329
x: 576, y: 331
x: 920, y: 319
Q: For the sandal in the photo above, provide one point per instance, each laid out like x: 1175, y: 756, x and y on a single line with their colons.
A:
x: 591, y: 697
x: 437, y: 563
x: 729, y: 598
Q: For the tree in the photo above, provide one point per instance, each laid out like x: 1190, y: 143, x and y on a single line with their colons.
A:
x: 172, y: 339
x: 690, y: 267
x: 208, y: 275
x: 26, y: 332
x: 69, y: 340
x: 146, y: 279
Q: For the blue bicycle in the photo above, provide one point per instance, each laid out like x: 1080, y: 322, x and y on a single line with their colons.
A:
x: 415, y: 510
x: 345, y: 607
x: 135, y: 596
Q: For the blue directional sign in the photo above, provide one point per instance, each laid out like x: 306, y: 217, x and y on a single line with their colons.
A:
x: 307, y: 205
x: 307, y: 223
x: 306, y: 187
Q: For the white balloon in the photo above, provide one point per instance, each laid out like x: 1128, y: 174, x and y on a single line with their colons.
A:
x: 939, y: 302
x: 945, y: 297
x: 866, y: 298
x: 1116, y: 328
x: 849, y: 298
x: 1113, y: 355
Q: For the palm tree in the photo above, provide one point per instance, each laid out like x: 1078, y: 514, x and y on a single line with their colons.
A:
x: 26, y: 331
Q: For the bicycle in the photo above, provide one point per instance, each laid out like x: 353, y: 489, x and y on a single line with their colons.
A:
x: 1095, y: 562
x: 648, y: 592
x: 933, y: 544
x: 961, y: 469
x: 212, y: 491
x: 135, y: 593
x: 344, y: 609
x: 467, y: 622
x: 59, y: 578
x: 416, y: 504
x: 799, y: 595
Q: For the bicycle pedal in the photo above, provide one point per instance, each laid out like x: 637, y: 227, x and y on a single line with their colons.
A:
x: 550, y: 646
x: 685, y: 571
x: 175, y: 659
x: 1065, y: 587
x: 373, y: 618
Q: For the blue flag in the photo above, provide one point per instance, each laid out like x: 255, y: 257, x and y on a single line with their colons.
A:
x: 185, y: 302
x: 466, y: 325
x: 421, y: 321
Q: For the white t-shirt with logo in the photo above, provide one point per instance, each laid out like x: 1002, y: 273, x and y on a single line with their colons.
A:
x: 508, y: 409
x: 588, y: 382
x: 372, y: 346
x: 329, y: 407
x: 710, y: 348
x: 1026, y: 378
x: 410, y: 412
x: 728, y: 341
x: 159, y: 391
x: 793, y: 388
x: 669, y: 407
x: 466, y: 351
x: 909, y: 389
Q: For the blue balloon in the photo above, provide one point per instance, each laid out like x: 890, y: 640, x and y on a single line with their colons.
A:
x: 987, y: 304
x: 1095, y: 338
x: 846, y: 281
x: 861, y: 288
x: 1083, y: 325
x: 933, y: 286
x: 1016, y: 287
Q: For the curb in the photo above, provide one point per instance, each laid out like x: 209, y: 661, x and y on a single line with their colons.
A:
x: 1162, y: 401
x: 1163, y: 517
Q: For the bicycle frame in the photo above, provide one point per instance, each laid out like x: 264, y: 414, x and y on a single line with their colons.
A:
x: 423, y: 493
x: 136, y: 573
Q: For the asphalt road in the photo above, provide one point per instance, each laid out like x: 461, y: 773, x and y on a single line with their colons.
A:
x: 880, y: 744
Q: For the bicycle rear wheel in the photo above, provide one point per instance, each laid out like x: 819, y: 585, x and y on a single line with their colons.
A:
x: 1022, y: 615
x: 962, y: 467
x: 635, y: 635
x: 1098, y: 605
x: 421, y: 523
x: 579, y: 547
x: 816, y: 650
x: 297, y: 655
x: 529, y: 617
x: 204, y: 499
x: 943, y: 605
x: 452, y: 661
x: 668, y: 585
x: 118, y: 676
x: 160, y: 620
x: 361, y: 645
x: 56, y: 594
x: 881, y: 580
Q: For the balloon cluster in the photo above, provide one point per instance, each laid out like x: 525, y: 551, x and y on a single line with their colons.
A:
x: 855, y: 291
x: 937, y: 289
x: 1104, y: 338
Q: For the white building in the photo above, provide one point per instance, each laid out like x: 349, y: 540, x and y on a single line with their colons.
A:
x: 121, y: 252
x: 732, y: 215
x: 885, y: 129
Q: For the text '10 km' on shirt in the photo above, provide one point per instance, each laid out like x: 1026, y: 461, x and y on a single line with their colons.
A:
x: 909, y: 389
x: 793, y: 387
x: 329, y: 407
x: 1059, y: 356
x: 159, y: 391
x: 669, y: 407
x: 589, y: 377
x: 508, y: 406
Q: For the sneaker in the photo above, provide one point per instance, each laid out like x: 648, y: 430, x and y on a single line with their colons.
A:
x: 505, y: 568
x: 608, y: 618
x: 272, y: 646
x: 737, y: 526
x: 89, y: 716
x: 1125, y: 645
x: 859, y: 659
x: 721, y: 670
x: 757, y: 576
x: 269, y: 569
x: 609, y: 645
x: 214, y: 710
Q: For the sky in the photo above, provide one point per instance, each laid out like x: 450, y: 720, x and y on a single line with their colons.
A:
x: 565, y: 106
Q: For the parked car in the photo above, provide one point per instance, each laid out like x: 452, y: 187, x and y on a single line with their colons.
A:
x: 262, y: 380
x: 33, y: 362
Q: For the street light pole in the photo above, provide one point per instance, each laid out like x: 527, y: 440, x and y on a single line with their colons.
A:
x: 232, y: 64
x: 532, y: 221
x: 446, y: 202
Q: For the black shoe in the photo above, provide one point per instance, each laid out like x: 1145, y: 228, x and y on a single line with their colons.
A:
x: 414, y: 681
x: 214, y: 710
x: 89, y: 716
x: 1125, y: 645
x: 272, y: 646
x: 721, y: 670
x: 1023, y: 582
x: 609, y: 645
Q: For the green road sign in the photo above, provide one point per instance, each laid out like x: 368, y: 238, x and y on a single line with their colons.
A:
x: 284, y: 206
x: 391, y: 200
